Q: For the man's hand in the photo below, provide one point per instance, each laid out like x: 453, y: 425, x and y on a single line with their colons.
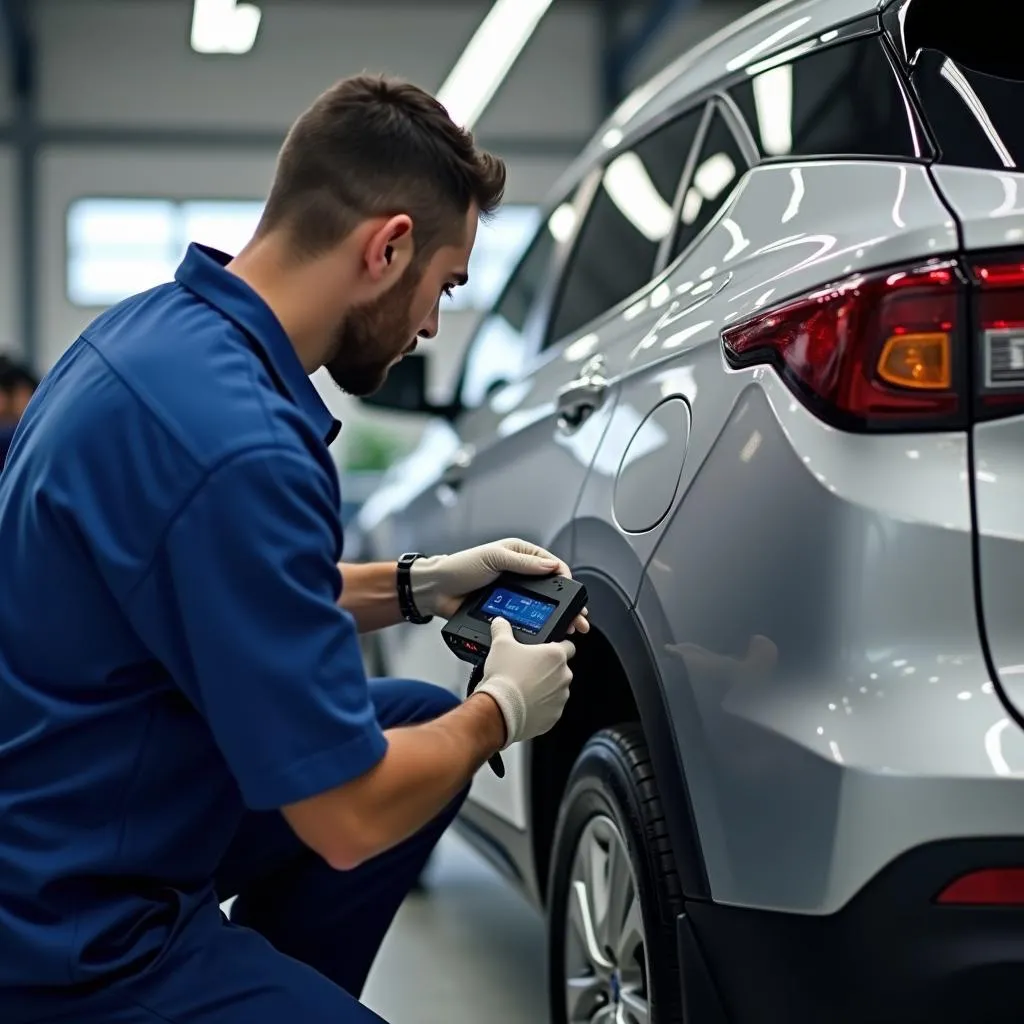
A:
x: 440, y: 584
x: 529, y: 682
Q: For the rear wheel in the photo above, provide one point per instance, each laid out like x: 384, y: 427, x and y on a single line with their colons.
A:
x: 614, y: 892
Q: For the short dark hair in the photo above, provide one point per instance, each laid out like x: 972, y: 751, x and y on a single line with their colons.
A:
x: 375, y: 146
x: 14, y: 375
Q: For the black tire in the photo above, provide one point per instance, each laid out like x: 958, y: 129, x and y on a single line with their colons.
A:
x: 613, y: 780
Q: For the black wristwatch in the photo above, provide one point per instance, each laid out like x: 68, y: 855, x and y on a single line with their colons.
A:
x: 406, y: 603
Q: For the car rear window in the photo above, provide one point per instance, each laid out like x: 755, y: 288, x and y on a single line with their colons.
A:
x: 844, y: 100
x: 976, y: 118
x: 969, y: 78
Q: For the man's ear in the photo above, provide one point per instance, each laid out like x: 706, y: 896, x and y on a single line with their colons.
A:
x: 389, y: 249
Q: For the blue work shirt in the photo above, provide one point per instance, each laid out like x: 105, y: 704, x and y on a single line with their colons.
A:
x: 171, y: 649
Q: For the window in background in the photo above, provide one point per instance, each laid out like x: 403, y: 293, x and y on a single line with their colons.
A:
x: 841, y: 101
x: 118, y: 247
x: 629, y: 218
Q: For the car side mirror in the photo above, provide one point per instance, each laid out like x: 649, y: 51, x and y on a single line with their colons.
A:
x: 405, y: 389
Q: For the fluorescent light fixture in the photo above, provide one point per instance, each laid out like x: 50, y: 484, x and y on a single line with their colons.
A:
x: 224, y: 26
x: 630, y: 188
x: 472, y: 83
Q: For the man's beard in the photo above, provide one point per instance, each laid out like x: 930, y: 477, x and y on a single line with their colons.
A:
x: 373, y: 337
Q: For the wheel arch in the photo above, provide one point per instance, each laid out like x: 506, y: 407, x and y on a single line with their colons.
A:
x: 616, y: 626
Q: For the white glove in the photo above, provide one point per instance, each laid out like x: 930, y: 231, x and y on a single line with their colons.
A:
x: 528, y: 682
x: 442, y: 582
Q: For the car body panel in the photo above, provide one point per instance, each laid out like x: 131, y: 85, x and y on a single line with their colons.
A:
x: 822, y: 684
x: 999, y: 501
x: 414, y: 510
x: 523, y: 480
x: 780, y: 235
x: 989, y: 205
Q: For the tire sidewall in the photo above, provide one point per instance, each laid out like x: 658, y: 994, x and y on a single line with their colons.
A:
x: 601, y: 784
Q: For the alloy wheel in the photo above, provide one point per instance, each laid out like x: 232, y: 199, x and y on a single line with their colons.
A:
x: 605, y: 946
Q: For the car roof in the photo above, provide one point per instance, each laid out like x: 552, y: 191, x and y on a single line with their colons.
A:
x: 769, y: 29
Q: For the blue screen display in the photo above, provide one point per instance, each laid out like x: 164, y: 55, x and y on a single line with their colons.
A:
x: 527, y: 613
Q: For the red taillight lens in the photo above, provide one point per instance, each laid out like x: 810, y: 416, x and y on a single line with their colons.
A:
x: 993, y: 887
x: 876, y: 351
x: 1000, y: 318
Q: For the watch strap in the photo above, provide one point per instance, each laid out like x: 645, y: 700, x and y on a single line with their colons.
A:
x: 406, y: 601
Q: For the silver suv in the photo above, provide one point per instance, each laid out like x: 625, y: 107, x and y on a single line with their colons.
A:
x: 760, y: 379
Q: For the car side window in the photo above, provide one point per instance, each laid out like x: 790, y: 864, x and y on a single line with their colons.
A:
x: 629, y: 217
x: 499, y: 349
x: 718, y: 168
x: 841, y: 101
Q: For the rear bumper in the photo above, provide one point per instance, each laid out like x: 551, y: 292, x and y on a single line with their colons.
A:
x: 890, y: 956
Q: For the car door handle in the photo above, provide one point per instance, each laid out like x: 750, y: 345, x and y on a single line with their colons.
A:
x: 581, y: 397
x: 455, y: 471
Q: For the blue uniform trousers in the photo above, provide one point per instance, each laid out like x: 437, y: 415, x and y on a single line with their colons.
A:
x: 302, y: 937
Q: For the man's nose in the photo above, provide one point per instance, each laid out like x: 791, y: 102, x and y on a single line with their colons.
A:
x: 429, y: 328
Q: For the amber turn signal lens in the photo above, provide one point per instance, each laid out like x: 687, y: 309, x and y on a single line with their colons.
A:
x: 917, y: 361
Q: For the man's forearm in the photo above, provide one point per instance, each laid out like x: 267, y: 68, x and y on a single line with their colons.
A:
x: 369, y: 593
x: 424, y: 769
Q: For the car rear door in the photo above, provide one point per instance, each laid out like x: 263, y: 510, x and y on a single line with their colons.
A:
x: 535, y: 439
x: 971, y: 90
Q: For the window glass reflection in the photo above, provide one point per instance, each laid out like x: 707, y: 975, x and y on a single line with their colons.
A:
x: 716, y: 172
x: 628, y: 219
x: 975, y: 117
x: 497, y: 352
x: 840, y: 101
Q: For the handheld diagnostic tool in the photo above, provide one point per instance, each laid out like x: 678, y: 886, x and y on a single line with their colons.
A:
x: 540, y: 610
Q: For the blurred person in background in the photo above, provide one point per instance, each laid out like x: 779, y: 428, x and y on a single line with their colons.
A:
x: 17, y: 385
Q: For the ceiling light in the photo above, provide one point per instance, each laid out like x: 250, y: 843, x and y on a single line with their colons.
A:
x: 486, y: 61
x: 224, y: 26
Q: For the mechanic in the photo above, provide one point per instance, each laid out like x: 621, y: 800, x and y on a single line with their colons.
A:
x: 17, y: 385
x: 184, y: 715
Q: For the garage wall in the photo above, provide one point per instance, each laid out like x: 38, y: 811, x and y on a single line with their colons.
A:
x: 303, y: 46
x: 71, y: 171
x: 139, y: 73
x: 685, y: 31
x: 8, y: 266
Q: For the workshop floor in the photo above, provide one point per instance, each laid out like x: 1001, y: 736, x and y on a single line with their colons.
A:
x: 469, y: 950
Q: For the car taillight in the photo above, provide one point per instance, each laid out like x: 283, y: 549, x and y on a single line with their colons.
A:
x: 994, y: 887
x: 1000, y: 324
x: 879, y: 351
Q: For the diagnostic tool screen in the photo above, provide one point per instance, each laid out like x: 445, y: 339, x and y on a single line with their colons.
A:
x: 525, y: 612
